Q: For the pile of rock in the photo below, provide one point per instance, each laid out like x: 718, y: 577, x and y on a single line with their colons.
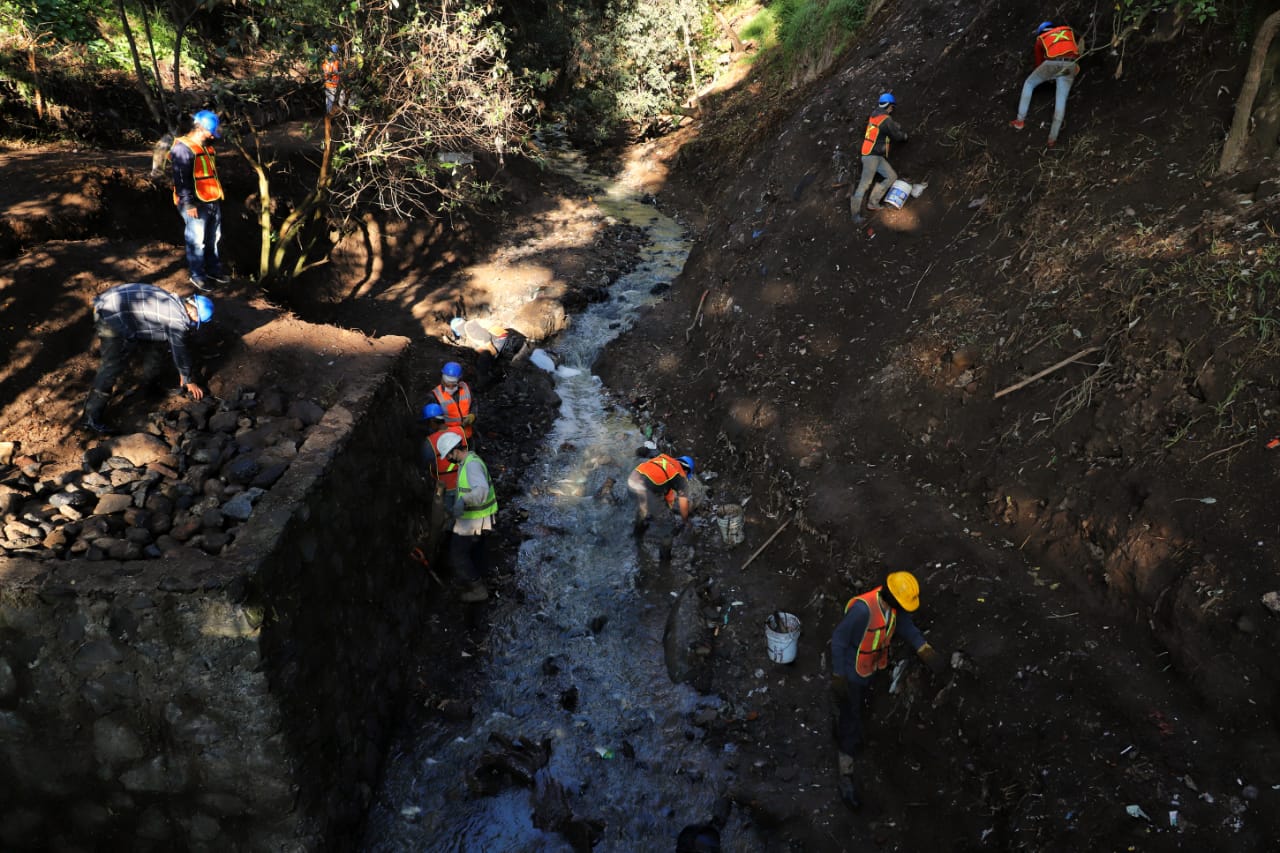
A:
x: 189, y: 482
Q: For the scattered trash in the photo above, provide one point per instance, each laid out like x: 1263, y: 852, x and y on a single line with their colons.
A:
x: 1137, y: 812
x: 975, y: 203
x: 410, y: 813
x: 604, y: 752
x: 1173, y: 819
x: 1209, y: 501
x: 1126, y: 749
x: 730, y: 523
x: 899, y: 668
x: 1273, y: 443
x: 1272, y: 601
x: 917, y: 190
x: 542, y: 360
x: 984, y: 835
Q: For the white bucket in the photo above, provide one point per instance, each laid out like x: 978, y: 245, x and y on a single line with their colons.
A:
x: 897, y: 195
x: 782, y: 632
x: 730, y: 523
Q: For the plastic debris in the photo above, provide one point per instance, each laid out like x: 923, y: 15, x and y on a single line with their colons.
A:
x: 544, y: 361
x: 899, y: 668
x: 604, y: 752
x: 1272, y: 601
x: 410, y: 812
x: 1173, y: 818
x: 1136, y: 811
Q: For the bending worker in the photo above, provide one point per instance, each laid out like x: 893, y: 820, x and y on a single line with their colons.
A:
x: 659, y: 485
x: 875, y: 156
x: 129, y: 315
x: 1055, y: 58
x: 860, y: 649
x: 454, y: 397
x: 473, y: 510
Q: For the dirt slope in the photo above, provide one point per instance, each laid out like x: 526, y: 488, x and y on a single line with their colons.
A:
x: 1118, y: 649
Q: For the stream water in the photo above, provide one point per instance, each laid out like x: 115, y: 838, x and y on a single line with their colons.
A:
x: 580, y: 663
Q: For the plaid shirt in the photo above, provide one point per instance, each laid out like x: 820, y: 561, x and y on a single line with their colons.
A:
x: 144, y: 312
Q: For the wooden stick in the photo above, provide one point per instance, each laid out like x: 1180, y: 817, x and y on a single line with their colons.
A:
x: 927, y: 270
x: 1024, y: 383
x: 765, y: 545
x: 697, y: 315
x: 1235, y: 446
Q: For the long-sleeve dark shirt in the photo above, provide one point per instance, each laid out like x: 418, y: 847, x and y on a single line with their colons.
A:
x: 848, y: 636
x: 182, y: 160
x: 889, y: 129
x: 144, y: 312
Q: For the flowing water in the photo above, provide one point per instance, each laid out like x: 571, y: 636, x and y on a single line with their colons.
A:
x: 580, y: 662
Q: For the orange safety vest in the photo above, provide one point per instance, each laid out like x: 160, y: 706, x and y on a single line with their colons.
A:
x: 1059, y: 44
x: 204, y: 172
x: 873, y: 133
x: 446, y: 471
x: 660, y: 470
x: 455, y: 409
x: 330, y: 68
x: 873, y: 651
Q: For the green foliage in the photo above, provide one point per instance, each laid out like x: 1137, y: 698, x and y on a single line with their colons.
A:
x: 806, y: 24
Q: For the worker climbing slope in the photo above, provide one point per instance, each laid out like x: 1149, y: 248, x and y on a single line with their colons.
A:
x: 859, y: 650
x: 880, y: 131
x: 1055, y: 54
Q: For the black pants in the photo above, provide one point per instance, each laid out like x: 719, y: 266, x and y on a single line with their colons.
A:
x: 469, y: 556
x: 115, y: 355
x: 849, y: 707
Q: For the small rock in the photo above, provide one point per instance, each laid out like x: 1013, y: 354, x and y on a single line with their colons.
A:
x: 185, y: 529
x: 111, y: 503
x: 224, y: 421
x: 241, y: 506
x: 242, y: 469
x: 7, y: 451
x: 306, y: 411
x: 139, y: 448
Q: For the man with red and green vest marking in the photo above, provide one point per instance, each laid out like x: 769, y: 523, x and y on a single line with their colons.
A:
x: 1056, y: 53
x: 474, y: 509
x: 860, y: 649
x: 875, y: 156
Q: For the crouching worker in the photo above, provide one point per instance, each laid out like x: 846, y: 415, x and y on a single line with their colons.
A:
x: 659, y: 486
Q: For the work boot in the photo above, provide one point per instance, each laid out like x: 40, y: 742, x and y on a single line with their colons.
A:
x: 203, y: 285
x: 475, y: 593
x: 1051, y: 143
x: 639, y: 527
x: 1017, y: 124
x: 218, y: 277
x: 95, y: 426
x: 874, y: 205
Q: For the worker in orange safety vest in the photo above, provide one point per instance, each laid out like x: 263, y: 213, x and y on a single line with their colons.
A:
x: 197, y: 193
x: 659, y: 486
x: 331, y: 68
x: 859, y: 650
x: 454, y: 397
x: 875, y: 156
x: 1055, y: 55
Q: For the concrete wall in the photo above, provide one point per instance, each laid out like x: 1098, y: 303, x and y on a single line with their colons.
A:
x: 237, y: 702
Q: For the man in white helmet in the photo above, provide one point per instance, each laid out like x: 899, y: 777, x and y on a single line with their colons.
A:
x: 474, y: 510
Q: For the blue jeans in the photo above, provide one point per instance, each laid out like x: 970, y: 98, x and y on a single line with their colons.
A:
x: 202, y: 233
x: 1063, y: 74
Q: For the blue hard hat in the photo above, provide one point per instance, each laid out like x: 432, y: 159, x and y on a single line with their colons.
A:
x: 453, y: 370
x: 887, y: 100
x: 204, y: 309
x: 431, y: 411
x: 1047, y: 25
x: 687, y: 462
x: 208, y: 119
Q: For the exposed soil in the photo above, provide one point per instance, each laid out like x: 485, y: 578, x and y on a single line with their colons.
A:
x: 1114, y: 646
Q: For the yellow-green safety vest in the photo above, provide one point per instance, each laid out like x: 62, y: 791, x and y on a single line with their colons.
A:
x: 490, y: 505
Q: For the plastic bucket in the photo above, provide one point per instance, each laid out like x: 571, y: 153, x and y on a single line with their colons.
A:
x: 897, y: 195
x: 730, y: 523
x: 782, y: 633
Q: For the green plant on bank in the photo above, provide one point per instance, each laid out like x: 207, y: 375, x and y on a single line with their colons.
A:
x: 801, y: 31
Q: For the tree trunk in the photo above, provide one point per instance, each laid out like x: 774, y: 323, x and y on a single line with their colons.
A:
x: 738, y: 46
x: 1233, y: 148
x: 35, y: 79
x: 139, y: 76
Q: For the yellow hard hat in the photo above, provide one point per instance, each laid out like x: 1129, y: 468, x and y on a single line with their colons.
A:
x: 905, y: 588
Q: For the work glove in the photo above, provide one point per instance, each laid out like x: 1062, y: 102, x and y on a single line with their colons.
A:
x: 458, y: 508
x: 468, y: 420
x: 932, y: 658
x: 840, y: 688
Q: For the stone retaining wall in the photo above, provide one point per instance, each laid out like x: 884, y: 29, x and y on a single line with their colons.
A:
x: 235, y: 702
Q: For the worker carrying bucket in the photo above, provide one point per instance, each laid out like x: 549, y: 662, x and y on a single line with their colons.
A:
x: 859, y: 650
x: 880, y: 130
